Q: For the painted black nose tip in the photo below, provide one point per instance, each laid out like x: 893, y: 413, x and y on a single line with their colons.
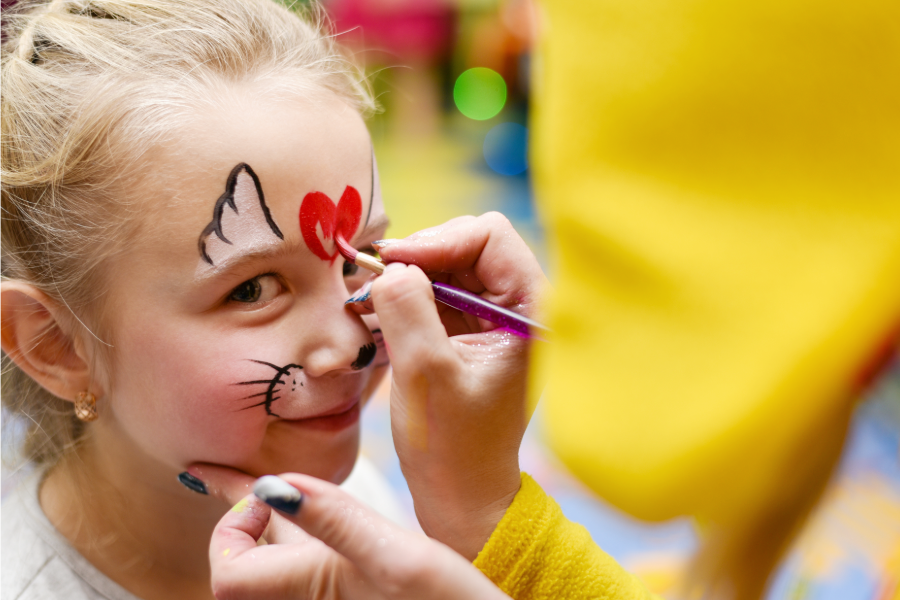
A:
x: 365, y: 358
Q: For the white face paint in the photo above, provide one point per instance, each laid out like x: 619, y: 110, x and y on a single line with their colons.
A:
x: 241, y: 221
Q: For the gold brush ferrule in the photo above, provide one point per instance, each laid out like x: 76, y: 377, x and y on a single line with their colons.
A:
x: 369, y: 262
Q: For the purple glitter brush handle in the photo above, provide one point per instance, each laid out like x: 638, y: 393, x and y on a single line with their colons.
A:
x: 474, y: 304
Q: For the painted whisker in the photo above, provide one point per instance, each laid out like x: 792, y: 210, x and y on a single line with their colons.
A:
x: 272, y: 385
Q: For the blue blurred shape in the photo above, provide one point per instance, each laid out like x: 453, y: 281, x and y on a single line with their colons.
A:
x: 506, y: 148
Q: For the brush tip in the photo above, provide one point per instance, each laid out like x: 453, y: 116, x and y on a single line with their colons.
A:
x: 346, y: 250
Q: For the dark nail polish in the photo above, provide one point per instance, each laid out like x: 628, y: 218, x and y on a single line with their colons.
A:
x: 362, y: 298
x: 362, y: 294
x: 192, y: 483
x: 278, y: 494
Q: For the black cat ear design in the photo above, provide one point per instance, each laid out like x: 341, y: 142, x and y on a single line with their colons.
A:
x: 240, y: 220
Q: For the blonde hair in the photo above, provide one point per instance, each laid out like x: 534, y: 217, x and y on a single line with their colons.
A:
x: 88, y: 88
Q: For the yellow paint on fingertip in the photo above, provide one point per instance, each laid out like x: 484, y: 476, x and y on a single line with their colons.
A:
x: 240, y: 506
x: 226, y: 551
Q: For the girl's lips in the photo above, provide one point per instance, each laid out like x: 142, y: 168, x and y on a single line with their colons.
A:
x: 339, y: 418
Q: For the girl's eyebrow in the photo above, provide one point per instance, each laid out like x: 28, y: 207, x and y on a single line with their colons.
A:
x: 270, y: 252
x: 275, y: 251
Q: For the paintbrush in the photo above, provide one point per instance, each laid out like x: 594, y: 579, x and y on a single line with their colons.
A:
x: 452, y: 296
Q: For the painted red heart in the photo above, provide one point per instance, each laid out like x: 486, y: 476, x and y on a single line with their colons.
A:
x: 318, y: 209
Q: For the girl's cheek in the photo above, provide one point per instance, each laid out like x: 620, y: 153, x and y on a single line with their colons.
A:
x: 183, y: 403
x: 228, y: 416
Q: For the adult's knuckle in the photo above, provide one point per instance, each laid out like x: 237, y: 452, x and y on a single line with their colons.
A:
x: 226, y: 587
x: 400, y: 288
x: 496, y: 220
x: 440, y: 362
x: 335, y: 528
x: 415, y: 573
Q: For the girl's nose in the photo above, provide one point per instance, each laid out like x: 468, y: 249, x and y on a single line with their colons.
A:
x: 337, y: 340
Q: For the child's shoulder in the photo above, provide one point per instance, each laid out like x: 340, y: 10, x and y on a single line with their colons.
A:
x: 38, y: 563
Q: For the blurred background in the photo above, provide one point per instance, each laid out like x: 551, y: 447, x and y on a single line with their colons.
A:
x: 453, y: 79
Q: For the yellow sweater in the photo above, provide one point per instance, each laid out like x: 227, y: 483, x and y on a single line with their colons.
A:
x: 721, y: 187
x: 536, y: 553
x: 720, y: 182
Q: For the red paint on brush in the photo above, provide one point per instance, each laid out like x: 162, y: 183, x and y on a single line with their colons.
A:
x: 336, y: 221
x: 346, y: 250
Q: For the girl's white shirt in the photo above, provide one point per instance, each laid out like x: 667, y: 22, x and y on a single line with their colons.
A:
x: 38, y: 563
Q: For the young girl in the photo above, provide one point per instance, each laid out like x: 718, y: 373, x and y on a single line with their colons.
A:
x: 174, y: 176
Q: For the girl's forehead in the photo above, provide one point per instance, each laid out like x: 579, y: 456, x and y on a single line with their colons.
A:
x: 316, y: 142
x: 289, y: 148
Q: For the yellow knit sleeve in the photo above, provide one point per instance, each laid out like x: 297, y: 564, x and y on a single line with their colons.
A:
x: 536, y: 553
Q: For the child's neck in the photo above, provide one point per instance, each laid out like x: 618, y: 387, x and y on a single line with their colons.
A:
x: 124, y: 512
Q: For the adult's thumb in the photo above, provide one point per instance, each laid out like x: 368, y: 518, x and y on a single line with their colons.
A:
x: 415, y: 336
x: 400, y: 563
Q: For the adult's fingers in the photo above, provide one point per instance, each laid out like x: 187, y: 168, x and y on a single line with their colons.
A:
x: 402, y: 564
x: 238, y: 532
x: 412, y: 328
x: 487, y: 245
x: 242, y: 570
x: 230, y: 485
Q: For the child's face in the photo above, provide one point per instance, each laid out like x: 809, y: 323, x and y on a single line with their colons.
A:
x: 232, y: 343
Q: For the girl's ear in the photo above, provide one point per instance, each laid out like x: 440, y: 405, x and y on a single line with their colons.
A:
x: 32, y: 337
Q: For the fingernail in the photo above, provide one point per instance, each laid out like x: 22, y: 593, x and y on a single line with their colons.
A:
x: 379, y: 244
x: 278, y: 494
x: 192, y: 483
x: 394, y: 266
x: 240, y: 506
x: 362, y: 294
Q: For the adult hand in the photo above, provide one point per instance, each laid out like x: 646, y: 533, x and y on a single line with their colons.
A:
x: 333, y: 547
x: 458, y: 410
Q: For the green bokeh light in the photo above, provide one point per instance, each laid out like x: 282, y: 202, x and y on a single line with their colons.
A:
x: 479, y: 93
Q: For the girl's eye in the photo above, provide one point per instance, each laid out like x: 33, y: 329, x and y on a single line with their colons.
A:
x: 258, y: 289
x: 354, y: 276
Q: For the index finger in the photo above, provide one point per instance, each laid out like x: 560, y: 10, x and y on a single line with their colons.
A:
x: 487, y: 245
x: 403, y: 563
x: 238, y: 531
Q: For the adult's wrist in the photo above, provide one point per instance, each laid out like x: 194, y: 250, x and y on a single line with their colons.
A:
x: 464, y: 527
